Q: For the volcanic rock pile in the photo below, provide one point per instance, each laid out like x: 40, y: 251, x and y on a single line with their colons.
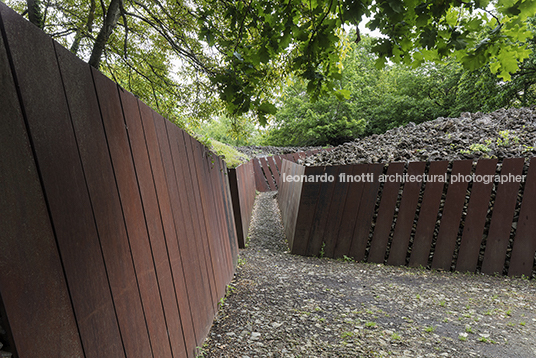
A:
x: 501, y: 134
x: 257, y: 151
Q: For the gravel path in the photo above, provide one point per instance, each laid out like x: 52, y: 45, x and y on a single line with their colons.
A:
x: 281, y: 305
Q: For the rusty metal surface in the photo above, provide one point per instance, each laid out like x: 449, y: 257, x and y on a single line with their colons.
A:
x: 452, y: 214
x: 289, y: 199
x: 183, y: 227
x: 382, y: 230
x: 279, y: 162
x: 406, y: 216
x: 433, y: 190
x: 34, y: 290
x: 320, y: 220
x: 148, y: 117
x: 216, y: 253
x: 104, y: 196
x: 229, y: 241
x: 365, y: 213
x: 307, y: 207
x: 501, y: 219
x: 350, y: 210
x: 195, y: 158
x: 237, y: 207
x: 246, y: 190
x: 475, y: 218
x: 522, y: 259
x: 268, y: 174
x: 131, y: 201
x: 64, y: 185
x: 260, y: 180
x: 275, y: 170
x: 336, y: 211
x: 153, y: 220
x: 199, y: 290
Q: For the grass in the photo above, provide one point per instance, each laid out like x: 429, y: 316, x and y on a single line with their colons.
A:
x: 430, y: 329
x: 370, y: 324
x: 232, y: 157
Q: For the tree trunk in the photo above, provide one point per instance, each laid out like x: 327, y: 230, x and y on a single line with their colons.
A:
x: 89, y: 27
x: 34, y: 13
x: 112, y: 15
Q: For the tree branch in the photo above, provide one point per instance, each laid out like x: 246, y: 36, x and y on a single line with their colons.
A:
x: 112, y: 15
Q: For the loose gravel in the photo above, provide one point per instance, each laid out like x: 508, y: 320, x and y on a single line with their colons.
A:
x: 282, y: 305
x: 501, y: 134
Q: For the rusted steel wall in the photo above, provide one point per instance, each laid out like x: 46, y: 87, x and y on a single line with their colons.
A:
x: 117, y: 234
x: 243, y: 189
x: 471, y: 225
x: 268, y: 169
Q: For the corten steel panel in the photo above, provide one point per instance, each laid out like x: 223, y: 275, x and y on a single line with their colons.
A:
x: 274, y: 169
x: 336, y: 210
x: 294, y: 201
x: 216, y: 253
x: 433, y: 190
x: 386, y: 211
x: 246, y: 195
x: 260, y: 180
x: 226, y: 206
x: 323, y: 207
x: 168, y: 222
x: 233, y: 182
x: 279, y: 162
x: 33, y: 287
x: 501, y: 218
x: 268, y: 174
x: 522, y: 258
x: 289, y: 200
x: 296, y: 156
x: 93, y: 149
x: 228, y: 239
x: 183, y: 228
x: 307, y: 207
x: 475, y: 218
x: 205, y: 309
x: 406, y: 215
x: 200, y: 189
x: 189, y: 204
x: 64, y: 185
x: 129, y: 194
x: 365, y: 213
x: 153, y: 220
x: 282, y: 195
x: 351, y: 207
x: 452, y: 214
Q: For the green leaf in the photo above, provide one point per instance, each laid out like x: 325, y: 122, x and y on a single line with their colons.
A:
x: 267, y: 108
x: 342, y: 94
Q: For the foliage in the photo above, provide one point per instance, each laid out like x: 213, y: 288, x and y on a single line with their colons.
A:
x: 245, y: 50
x: 232, y: 157
x: 262, y: 41
x: 301, y: 122
x: 238, y: 131
x: 398, y: 94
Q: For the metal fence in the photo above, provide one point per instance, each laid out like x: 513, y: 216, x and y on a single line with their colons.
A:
x: 242, y: 180
x: 117, y: 235
x: 268, y: 169
x: 480, y: 217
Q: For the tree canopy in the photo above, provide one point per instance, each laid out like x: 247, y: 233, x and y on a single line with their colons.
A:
x: 175, y: 55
